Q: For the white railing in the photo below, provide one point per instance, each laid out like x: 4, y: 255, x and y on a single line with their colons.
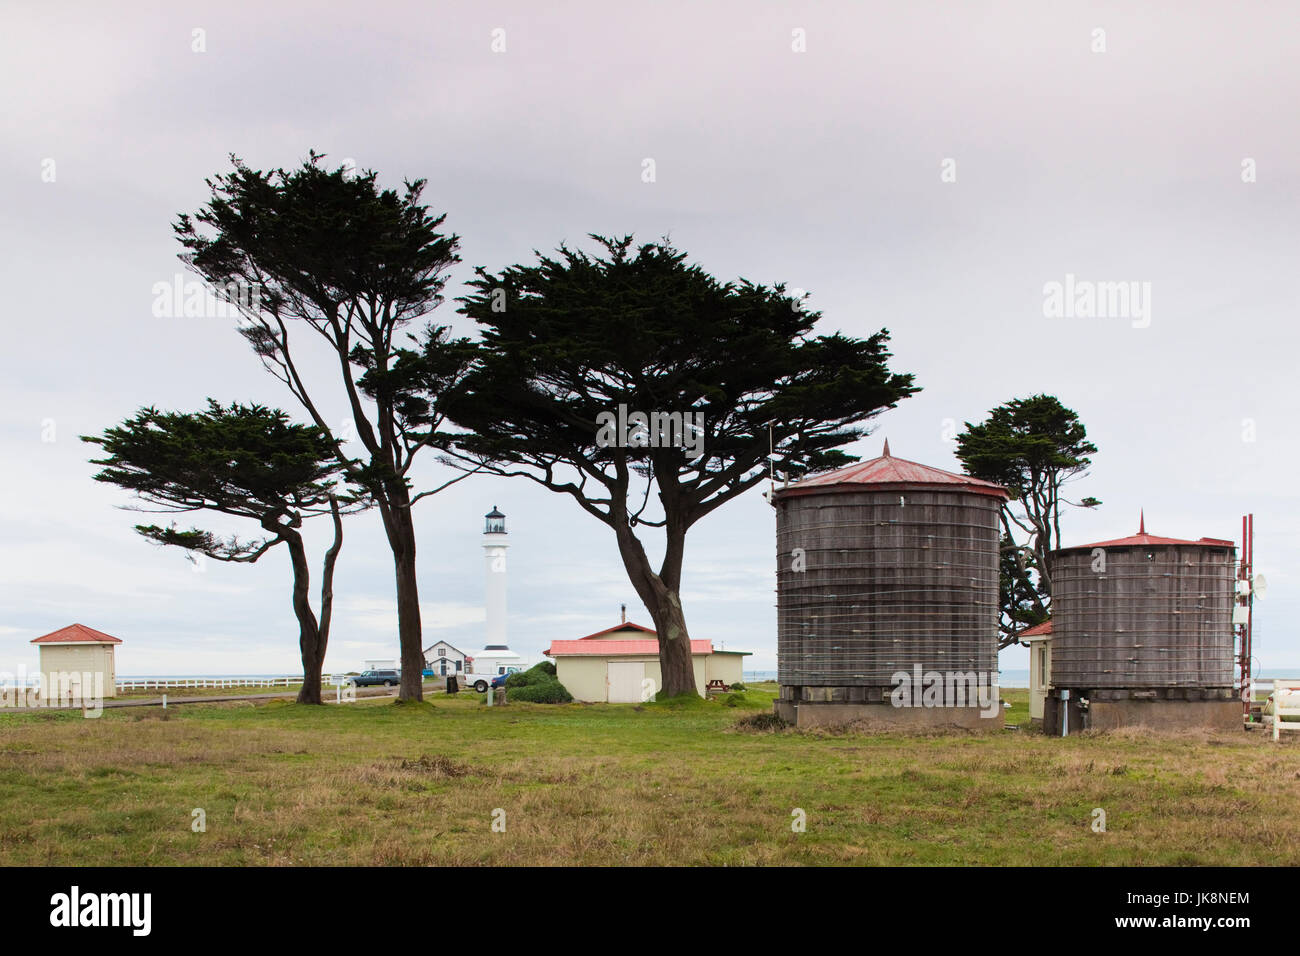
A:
x: 173, y: 683
x: 1286, y: 703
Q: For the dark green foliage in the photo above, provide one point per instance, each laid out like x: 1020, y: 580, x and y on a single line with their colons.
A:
x: 569, y: 339
x: 1032, y: 447
x: 577, y: 335
x: 314, y: 240
x: 355, y: 263
x: 1021, y: 602
x: 249, y: 462
x: 540, y: 691
x: 331, y: 252
x: 242, y: 460
x: 1026, y: 445
x: 537, y: 674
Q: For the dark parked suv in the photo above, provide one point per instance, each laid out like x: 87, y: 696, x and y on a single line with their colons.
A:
x: 373, y: 678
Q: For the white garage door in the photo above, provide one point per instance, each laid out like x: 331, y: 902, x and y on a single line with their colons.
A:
x: 625, y: 681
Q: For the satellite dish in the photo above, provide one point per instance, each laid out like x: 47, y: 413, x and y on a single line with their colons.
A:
x: 1261, y: 586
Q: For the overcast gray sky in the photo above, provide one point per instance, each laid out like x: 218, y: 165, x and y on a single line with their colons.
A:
x: 926, y: 167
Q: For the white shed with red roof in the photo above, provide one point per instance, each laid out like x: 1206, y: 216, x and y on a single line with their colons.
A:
x: 1039, y: 641
x: 613, y: 665
x: 77, y: 649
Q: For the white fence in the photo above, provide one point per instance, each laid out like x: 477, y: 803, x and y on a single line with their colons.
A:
x: 171, y: 683
x: 1261, y: 685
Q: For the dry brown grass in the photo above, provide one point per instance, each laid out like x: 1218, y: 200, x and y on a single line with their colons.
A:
x: 374, y: 783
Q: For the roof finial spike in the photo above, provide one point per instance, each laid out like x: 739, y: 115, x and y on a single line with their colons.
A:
x: 886, y: 448
x: 1142, y: 521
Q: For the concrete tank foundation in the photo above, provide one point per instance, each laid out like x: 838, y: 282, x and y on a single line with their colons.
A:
x: 1201, y: 709
x: 884, y: 717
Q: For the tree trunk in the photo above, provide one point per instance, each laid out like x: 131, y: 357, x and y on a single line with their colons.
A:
x: 309, y: 636
x: 326, y: 611
x: 327, y: 576
x: 312, y: 659
x: 659, y: 593
x: 401, y: 536
x: 675, y: 662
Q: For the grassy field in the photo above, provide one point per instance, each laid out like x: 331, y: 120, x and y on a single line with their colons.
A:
x: 377, y: 782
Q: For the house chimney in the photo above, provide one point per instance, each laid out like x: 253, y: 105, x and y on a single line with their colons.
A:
x: 622, y: 613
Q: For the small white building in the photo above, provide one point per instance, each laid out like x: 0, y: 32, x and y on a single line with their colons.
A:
x: 611, y: 666
x: 380, y: 664
x: 443, y: 659
x: 1039, y: 641
x: 78, y: 650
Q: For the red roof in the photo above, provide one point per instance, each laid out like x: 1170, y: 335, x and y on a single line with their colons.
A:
x: 888, y: 473
x: 1142, y: 539
x: 77, y: 634
x: 616, y: 648
x: 625, y: 626
x: 1037, y: 629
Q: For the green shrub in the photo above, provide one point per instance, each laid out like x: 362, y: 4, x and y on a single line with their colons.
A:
x: 546, y: 690
x: 537, y: 674
x: 738, y: 686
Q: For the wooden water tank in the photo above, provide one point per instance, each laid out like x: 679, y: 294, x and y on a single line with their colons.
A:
x: 1143, y: 612
x: 881, y: 566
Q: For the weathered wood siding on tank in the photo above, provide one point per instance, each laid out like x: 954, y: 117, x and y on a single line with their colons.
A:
x: 890, y: 579
x: 1156, y: 616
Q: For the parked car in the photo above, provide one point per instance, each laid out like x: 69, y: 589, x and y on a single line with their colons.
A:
x: 376, y: 678
x: 480, y: 682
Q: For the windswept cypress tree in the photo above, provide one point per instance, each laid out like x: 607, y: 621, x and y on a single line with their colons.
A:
x: 331, y: 254
x: 245, y: 461
x: 577, y: 347
x: 1032, y: 447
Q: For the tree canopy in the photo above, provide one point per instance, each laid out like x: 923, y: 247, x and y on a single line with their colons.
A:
x: 1033, y: 447
x: 332, y: 251
x: 245, y: 461
x: 608, y: 377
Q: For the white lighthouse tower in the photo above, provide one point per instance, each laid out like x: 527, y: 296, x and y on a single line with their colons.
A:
x: 495, y: 542
x: 496, y: 656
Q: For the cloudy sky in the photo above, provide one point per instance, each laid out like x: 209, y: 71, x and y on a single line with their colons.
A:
x: 931, y: 168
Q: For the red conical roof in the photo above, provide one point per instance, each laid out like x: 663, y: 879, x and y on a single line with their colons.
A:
x: 1143, y: 539
x: 888, y: 473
